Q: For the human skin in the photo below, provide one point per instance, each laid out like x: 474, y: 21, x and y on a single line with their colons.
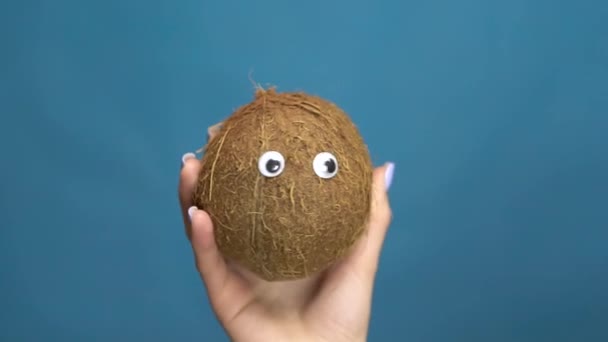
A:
x: 334, y: 305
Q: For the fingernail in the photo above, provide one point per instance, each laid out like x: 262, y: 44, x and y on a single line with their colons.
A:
x: 187, y: 156
x: 388, y: 175
x: 191, y: 211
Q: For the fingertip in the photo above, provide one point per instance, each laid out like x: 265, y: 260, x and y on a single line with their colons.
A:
x: 383, y: 177
x: 214, y: 130
x: 187, y: 181
x: 190, y: 165
x: 202, y: 228
x: 186, y: 157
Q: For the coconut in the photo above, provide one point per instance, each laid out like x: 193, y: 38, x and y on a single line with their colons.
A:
x: 287, y: 184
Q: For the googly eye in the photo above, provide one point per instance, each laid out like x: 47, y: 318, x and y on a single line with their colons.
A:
x: 271, y: 164
x: 325, y: 165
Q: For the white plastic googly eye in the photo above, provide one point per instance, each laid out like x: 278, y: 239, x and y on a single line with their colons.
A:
x: 271, y: 164
x: 325, y: 165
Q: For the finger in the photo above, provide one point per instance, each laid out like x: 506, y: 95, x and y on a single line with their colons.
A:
x: 187, y: 182
x: 363, y: 260
x: 349, y: 283
x: 214, y: 130
x: 209, y: 261
x: 367, y: 255
x: 380, y: 214
x: 227, y: 291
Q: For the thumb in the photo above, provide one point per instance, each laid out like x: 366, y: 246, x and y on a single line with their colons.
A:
x: 379, y: 219
x: 364, y: 259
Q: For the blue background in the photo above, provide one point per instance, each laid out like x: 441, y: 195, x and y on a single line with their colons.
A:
x: 495, y: 113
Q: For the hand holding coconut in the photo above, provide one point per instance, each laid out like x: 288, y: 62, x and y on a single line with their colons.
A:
x: 287, y: 218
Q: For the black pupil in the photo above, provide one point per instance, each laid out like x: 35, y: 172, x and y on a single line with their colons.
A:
x: 331, y: 165
x: 273, y: 165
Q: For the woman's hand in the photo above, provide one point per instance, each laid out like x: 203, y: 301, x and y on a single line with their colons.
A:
x: 332, y: 306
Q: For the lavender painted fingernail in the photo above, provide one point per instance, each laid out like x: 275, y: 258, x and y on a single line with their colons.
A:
x: 191, y: 211
x: 388, y: 175
x: 187, y: 156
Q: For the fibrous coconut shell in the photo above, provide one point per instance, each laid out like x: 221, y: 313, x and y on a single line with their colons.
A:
x: 287, y: 184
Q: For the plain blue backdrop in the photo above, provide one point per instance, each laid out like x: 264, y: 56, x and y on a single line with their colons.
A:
x: 495, y: 113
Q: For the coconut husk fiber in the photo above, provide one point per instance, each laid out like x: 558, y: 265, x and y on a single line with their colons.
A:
x: 295, y: 224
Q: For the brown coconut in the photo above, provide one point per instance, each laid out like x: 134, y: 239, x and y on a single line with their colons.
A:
x: 295, y: 224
